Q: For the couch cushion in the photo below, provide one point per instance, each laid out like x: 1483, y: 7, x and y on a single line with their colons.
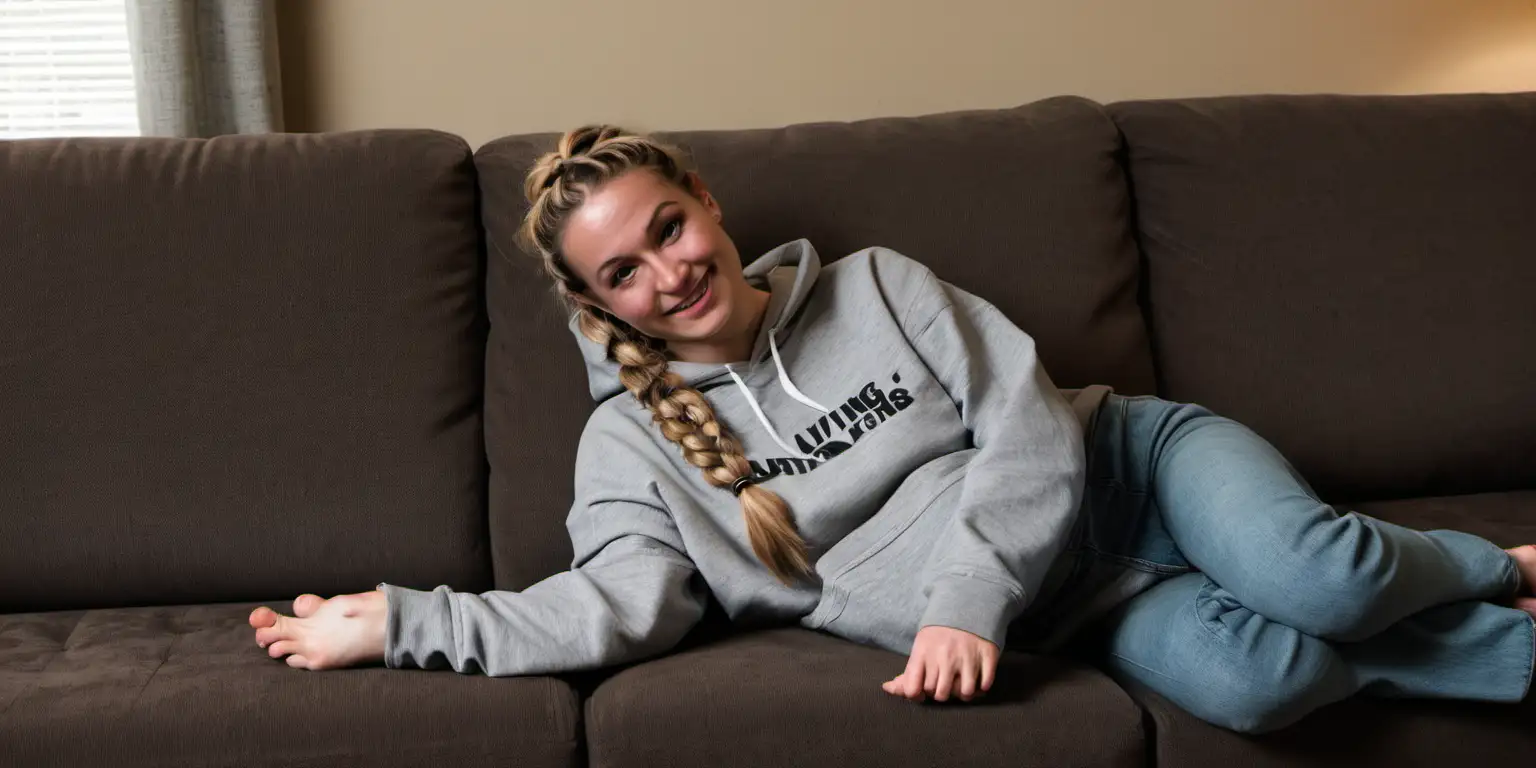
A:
x: 187, y: 685
x: 239, y: 367
x: 1367, y: 731
x: 1506, y: 519
x: 790, y: 697
x: 1354, y: 733
x: 1351, y: 276
x: 1027, y: 207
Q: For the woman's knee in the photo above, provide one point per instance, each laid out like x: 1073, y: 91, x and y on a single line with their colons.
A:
x: 1333, y: 591
x: 1228, y: 665
x: 1264, y: 675
x: 1251, y: 695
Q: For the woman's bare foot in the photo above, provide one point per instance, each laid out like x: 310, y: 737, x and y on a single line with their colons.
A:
x: 343, y: 631
x: 1525, y: 563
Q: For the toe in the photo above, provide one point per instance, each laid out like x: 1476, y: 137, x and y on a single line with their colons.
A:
x: 305, y: 605
x: 298, y: 662
x: 1525, y: 562
x: 1527, y: 604
x: 278, y: 630
x: 263, y: 617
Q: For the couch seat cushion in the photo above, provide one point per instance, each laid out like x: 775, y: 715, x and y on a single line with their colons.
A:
x: 188, y: 686
x: 790, y: 697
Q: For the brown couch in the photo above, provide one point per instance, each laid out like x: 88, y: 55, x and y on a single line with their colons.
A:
x: 236, y: 370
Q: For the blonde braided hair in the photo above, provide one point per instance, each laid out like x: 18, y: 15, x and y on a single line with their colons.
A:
x: 558, y: 184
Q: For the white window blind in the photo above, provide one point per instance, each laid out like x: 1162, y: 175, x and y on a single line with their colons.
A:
x: 65, y: 69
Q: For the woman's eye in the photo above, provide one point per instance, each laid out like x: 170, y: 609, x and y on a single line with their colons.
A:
x: 671, y: 230
x: 622, y: 275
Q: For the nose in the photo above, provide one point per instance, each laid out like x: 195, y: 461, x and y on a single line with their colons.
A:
x: 672, y: 275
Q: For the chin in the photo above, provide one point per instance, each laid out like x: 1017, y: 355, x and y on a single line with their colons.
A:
x: 702, y: 330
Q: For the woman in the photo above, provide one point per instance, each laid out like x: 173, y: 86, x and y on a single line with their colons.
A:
x: 920, y: 485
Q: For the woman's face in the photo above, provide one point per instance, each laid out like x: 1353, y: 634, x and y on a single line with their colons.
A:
x: 654, y: 255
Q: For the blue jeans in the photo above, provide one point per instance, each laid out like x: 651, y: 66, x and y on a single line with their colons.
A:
x: 1254, y: 603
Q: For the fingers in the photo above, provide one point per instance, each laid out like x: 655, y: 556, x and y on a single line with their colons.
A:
x: 969, y: 669
x: 944, y: 681
x: 941, y: 668
x: 988, y: 668
x: 912, y: 686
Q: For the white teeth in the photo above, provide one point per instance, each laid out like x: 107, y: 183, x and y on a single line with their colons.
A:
x: 695, y: 300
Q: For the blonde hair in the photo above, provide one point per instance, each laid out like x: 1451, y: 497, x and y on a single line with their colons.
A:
x: 558, y: 184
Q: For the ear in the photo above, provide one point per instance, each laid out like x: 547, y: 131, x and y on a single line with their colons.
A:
x: 699, y: 190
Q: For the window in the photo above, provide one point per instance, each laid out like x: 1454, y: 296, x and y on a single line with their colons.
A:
x: 65, y: 69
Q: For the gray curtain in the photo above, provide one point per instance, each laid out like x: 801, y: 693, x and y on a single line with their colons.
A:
x: 205, y: 67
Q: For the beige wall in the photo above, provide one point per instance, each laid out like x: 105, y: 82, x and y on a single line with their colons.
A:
x: 484, y: 68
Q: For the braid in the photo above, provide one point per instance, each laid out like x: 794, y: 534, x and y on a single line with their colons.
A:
x: 556, y: 186
x: 687, y: 419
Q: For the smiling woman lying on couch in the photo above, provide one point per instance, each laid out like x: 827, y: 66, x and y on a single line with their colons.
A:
x: 898, y: 469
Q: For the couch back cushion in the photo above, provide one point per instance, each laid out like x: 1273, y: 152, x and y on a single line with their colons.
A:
x: 1350, y: 276
x: 1026, y: 207
x: 239, y: 369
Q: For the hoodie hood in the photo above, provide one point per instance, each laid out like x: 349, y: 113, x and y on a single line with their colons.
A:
x: 787, y: 272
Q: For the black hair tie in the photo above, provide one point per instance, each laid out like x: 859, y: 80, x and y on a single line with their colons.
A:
x: 742, y: 482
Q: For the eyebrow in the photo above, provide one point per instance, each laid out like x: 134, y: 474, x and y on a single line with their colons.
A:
x: 648, y: 226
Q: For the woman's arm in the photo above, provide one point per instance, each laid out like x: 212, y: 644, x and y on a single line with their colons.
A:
x: 1020, y: 495
x: 1022, y: 490
x: 631, y: 592
x: 634, y: 597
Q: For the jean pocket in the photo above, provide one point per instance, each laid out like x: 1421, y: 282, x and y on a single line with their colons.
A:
x: 1125, y: 526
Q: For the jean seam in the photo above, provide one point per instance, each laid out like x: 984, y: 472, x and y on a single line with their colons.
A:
x: 1181, y: 683
x: 1530, y: 664
x: 1146, y: 668
x: 1188, y: 688
x: 1140, y: 564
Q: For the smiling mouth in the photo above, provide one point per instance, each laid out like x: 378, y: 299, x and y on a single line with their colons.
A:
x: 698, y: 293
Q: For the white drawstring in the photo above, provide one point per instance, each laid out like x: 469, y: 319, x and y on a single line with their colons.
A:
x: 789, y: 386
x: 757, y: 409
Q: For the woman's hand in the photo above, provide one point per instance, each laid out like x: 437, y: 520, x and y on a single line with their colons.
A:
x: 343, y: 631
x: 945, y: 661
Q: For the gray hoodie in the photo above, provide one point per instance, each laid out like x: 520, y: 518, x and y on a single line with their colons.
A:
x: 926, y: 457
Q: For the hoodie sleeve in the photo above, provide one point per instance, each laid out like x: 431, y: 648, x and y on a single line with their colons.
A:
x: 1022, y: 490
x: 631, y: 593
